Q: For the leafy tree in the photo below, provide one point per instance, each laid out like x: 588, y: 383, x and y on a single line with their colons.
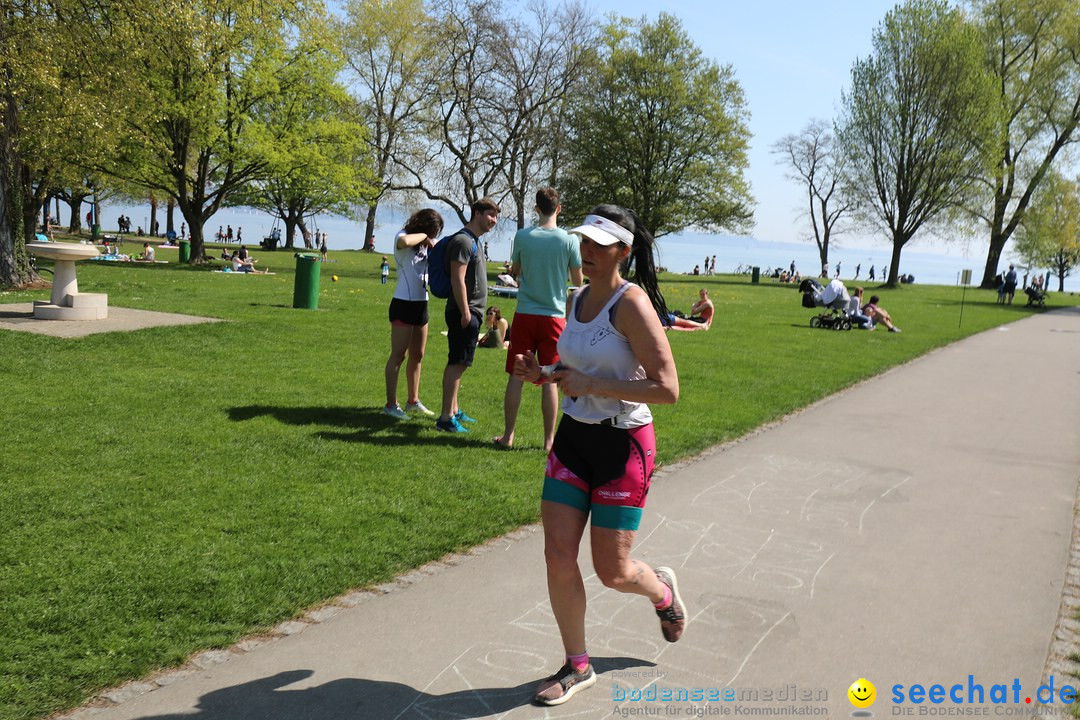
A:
x: 916, y: 120
x: 1050, y: 234
x: 210, y: 67
x: 812, y: 160
x: 64, y: 89
x: 1033, y: 50
x: 663, y: 131
x: 322, y: 165
x: 388, y: 51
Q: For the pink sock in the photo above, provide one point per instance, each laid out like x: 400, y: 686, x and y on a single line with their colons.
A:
x: 666, y: 602
x: 579, y: 662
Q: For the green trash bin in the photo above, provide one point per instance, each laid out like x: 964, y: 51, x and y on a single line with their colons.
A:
x: 755, y: 275
x: 306, y: 285
x: 95, y: 231
x: 185, y: 251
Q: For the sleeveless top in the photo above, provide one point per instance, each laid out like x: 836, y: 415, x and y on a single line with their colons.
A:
x: 596, y: 348
x: 412, y: 265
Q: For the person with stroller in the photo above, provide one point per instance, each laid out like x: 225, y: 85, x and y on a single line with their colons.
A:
x: 879, y: 315
x: 1036, y: 292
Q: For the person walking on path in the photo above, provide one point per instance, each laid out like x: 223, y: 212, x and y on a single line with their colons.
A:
x: 615, y: 358
x: 409, y: 310
x: 464, y: 308
x: 541, y: 259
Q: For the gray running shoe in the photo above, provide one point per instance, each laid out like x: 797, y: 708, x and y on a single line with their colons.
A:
x: 395, y: 412
x: 673, y: 617
x: 567, y: 682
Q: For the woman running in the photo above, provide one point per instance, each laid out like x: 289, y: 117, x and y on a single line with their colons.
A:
x: 614, y: 358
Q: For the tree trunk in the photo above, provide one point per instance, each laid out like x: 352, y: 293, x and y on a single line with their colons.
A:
x: 170, y: 226
x: 198, y: 251
x: 75, y: 203
x: 302, y: 226
x: 30, y: 205
x: 894, y: 263
x: 993, y: 257
x: 15, y: 269
x: 369, y: 227
x: 152, y: 230
x: 290, y: 231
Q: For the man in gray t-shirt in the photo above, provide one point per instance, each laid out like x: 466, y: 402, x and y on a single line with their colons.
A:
x: 464, y: 307
x: 466, y: 249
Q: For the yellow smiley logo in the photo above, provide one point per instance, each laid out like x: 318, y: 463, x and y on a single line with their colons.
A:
x: 862, y: 693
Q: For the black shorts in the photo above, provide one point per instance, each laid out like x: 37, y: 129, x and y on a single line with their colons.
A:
x: 408, y: 312
x: 461, y: 341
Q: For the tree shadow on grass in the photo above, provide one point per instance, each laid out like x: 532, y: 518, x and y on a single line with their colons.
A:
x: 359, y: 425
x: 352, y: 698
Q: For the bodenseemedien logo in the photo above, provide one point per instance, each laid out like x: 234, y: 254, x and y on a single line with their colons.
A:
x: 862, y: 695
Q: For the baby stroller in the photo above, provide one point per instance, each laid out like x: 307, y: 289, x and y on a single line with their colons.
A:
x: 834, y: 299
x: 1036, y: 296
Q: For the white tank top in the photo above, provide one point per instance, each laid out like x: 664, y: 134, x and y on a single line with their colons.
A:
x: 596, y: 348
x: 412, y: 266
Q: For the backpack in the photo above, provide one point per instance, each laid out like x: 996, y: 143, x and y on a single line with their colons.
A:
x: 438, y: 279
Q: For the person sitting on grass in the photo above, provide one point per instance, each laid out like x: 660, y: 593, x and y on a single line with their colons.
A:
x: 855, y: 313
x: 879, y: 315
x: 702, y: 310
x: 241, y: 265
x: 674, y: 322
x: 147, y: 253
x: 497, y: 327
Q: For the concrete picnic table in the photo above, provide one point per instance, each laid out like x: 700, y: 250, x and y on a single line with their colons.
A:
x: 66, y: 302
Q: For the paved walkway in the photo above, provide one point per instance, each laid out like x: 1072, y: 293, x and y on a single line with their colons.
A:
x: 913, y: 530
x: 20, y: 318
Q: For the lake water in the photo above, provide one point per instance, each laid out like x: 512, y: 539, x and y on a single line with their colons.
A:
x: 937, y: 265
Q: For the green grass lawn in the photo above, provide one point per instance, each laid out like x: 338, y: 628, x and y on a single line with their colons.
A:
x: 174, y: 489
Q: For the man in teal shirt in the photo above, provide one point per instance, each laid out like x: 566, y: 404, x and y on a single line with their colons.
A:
x: 543, y: 257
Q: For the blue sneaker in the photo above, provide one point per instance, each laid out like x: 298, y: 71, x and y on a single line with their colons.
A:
x: 461, y: 417
x: 451, y: 425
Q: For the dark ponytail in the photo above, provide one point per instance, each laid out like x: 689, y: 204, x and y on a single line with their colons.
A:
x: 641, y: 261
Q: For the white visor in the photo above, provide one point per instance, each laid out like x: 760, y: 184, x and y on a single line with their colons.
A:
x: 603, y: 231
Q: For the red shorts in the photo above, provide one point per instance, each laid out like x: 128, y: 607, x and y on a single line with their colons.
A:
x: 538, y: 334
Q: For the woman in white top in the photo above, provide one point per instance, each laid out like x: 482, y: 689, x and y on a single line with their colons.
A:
x: 408, y: 310
x: 614, y: 359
